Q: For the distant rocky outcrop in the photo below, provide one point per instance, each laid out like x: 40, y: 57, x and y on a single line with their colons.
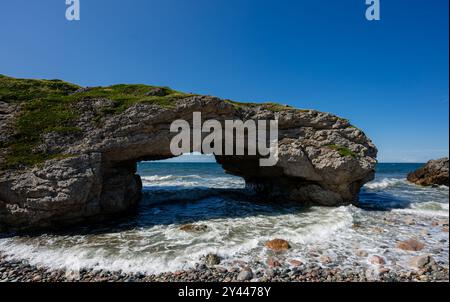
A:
x: 69, y: 154
x: 435, y: 172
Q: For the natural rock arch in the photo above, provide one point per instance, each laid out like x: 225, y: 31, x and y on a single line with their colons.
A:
x: 322, y: 158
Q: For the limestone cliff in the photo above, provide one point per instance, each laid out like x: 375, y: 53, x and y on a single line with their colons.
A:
x: 69, y: 153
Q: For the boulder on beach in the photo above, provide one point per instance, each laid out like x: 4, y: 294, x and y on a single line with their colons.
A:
x: 212, y: 259
x: 410, y: 245
x: 434, y: 172
x: 295, y: 262
x: 420, y: 262
x: 245, y: 275
x: 278, y: 245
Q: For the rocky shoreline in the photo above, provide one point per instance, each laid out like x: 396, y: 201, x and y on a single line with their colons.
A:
x: 22, y: 271
x: 424, y: 266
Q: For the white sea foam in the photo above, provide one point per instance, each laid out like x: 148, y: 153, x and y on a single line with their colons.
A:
x: 384, y: 183
x: 192, y: 181
x: 427, y: 209
x: 165, y: 248
x: 238, y: 230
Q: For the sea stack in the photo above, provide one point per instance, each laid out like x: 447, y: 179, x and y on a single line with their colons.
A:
x: 434, y: 172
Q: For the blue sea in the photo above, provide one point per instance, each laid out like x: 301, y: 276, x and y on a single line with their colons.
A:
x: 236, y: 229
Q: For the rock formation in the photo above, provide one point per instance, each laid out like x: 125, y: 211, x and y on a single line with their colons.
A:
x: 435, y: 172
x: 69, y: 154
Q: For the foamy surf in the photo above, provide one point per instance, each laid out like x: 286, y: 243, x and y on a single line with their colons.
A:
x: 428, y: 209
x: 163, y: 248
x: 152, y: 242
x: 384, y: 183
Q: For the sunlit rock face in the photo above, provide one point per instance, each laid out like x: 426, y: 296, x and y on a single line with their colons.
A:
x: 323, y: 160
x: 434, y: 172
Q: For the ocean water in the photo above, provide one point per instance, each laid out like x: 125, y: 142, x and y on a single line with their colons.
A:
x: 151, y: 241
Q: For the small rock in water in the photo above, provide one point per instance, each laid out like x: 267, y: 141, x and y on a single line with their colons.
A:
x: 420, y: 262
x: 194, y: 228
x: 356, y: 225
x: 410, y: 245
x: 72, y: 275
x: 410, y: 221
x: 423, y: 278
x: 270, y: 273
x: 375, y: 259
x: 295, y: 263
x: 361, y: 253
x: 425, y: 232
x: 271, y: 262
x: 443, y: 222
x: 278, y: 245
x: 212, y: 259
x: 36, y: 278
x: 325, y: 259
x: 245, y: 275
x: 378, y: 230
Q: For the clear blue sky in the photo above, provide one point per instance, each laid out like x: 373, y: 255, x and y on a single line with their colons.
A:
x: 389, y: 78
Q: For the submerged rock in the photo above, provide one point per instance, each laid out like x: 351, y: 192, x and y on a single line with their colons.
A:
x: 194, y: 228
x: 375, y: 259
x: 212, y: 259
x: 325, y: 259
x: 361, y: 253
x: 435, y: 172
x: 81, y: 165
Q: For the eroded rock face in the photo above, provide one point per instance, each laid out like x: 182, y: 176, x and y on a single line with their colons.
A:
x: 97, y: 174
x: 435, y: 172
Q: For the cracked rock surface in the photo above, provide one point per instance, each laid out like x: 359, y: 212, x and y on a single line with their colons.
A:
x: 323, y: 160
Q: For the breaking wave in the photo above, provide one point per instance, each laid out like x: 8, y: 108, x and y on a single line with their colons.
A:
x: 151, y: 240
x: 384, y: 183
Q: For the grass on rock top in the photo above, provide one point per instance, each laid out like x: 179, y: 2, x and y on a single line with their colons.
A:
x: 47, y: 106
x: 269, y: 106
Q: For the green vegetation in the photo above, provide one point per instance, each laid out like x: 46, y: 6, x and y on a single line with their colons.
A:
x: 269, y: 106
x: 124, y: 96
x: 48, y: 106
x: 343, y: 151
x: 19, y: 90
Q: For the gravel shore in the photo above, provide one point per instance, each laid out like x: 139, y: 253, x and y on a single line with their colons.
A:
x: 22, y: 271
